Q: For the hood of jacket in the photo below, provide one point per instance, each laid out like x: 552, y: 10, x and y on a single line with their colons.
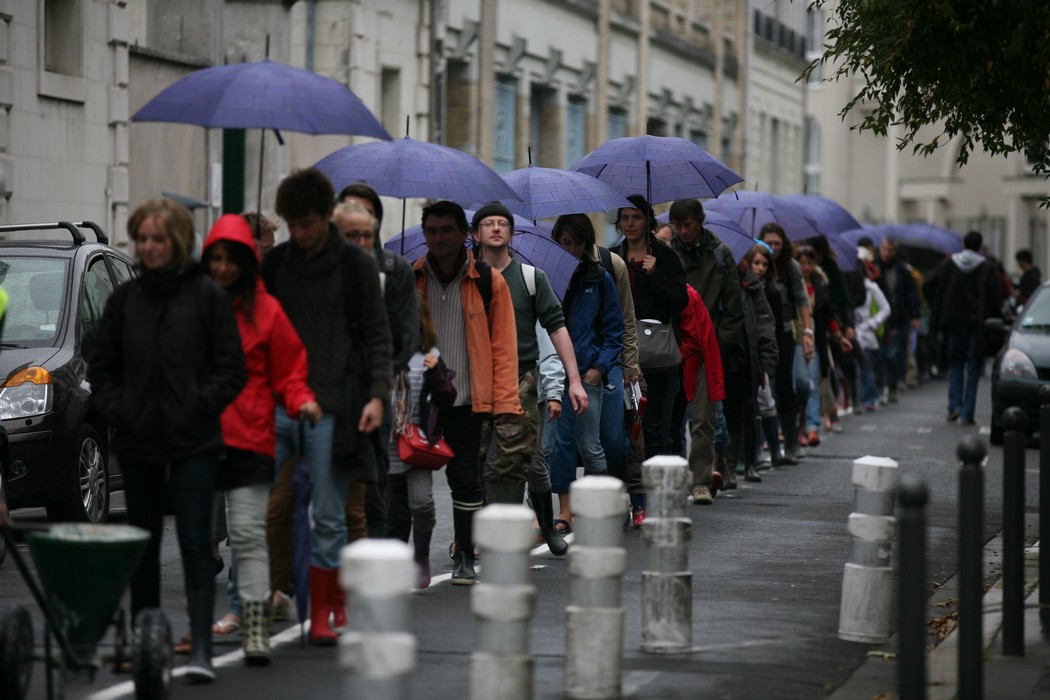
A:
x: 967, y: 260
x: 230, y: 227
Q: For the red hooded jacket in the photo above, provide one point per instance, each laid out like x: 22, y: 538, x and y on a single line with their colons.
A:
x: 274, y: 356
x: 700, y: 342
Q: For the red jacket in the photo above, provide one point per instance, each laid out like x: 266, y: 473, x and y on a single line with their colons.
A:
x: 699, y: 343
x: 273, y: 354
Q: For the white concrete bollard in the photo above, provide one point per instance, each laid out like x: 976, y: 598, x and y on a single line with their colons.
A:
x: 594, y: 618
x: 867, y: 582
x: 502, y: 602
x: 667, y: 583
x: 378, y: 649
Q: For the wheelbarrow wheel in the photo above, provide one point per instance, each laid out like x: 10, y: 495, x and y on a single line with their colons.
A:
x: 151, y: 655
x: 16, y: 652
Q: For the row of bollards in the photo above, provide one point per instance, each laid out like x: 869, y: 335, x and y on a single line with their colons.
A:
x: 867, y: 576
x: 379, y: 651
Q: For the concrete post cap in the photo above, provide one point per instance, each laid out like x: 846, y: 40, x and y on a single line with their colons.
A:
x: 377, y: 568
x: 597, y: 497
x: 502, y: 527
x: 876, y: 473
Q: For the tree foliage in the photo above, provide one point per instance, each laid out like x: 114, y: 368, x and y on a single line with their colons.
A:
x: 978, y: 68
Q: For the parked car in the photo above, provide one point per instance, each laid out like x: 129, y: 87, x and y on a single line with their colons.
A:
x: 1022, y: 367
x: 59, y: 445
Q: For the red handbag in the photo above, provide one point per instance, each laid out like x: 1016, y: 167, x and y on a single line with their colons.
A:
x: 413, y: 448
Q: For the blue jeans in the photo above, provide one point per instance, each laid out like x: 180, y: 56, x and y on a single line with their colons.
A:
x: 813, y: 417
x: 614, y: 438
x: 578, y: 434
x: 328, y: 485
x: 869, y: 392
x: 721, y: 429
x: 803, y: 381
x: 964, y: 372
x: 191, y: 485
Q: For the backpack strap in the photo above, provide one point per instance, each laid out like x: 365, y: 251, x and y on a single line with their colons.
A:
x: 484, y: 283
x: 528, y: 273
x: 605, y: 255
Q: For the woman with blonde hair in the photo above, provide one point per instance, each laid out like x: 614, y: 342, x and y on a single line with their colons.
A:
x: 167, y: 362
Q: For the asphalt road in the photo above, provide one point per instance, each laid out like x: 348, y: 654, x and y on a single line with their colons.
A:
x: 767, y: 562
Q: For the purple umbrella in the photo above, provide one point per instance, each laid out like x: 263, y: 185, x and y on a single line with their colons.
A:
x: 752, y: 210
x: 531, y: 245
x: 263, y: 95
x: 548, y: 192
x: 726, y: 229
x: 410, y: 168
x: 845, y: 251
x: 662, y: 168
x: 916, y: 235
x: 829, y: 215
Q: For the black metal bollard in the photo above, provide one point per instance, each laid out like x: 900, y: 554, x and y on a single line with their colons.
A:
x: 972, y: 452
x: 911, y: 608
x: 1044, y: 497
x: 1013, y: 532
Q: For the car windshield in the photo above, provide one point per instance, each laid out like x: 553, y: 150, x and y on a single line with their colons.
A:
x: 36, y: 290
x: 1036, y: 313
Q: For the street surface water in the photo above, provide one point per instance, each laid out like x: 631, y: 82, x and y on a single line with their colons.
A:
x: 767, y: 563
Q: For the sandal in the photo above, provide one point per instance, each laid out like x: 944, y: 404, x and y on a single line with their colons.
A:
x: 229, y: 624
x: 184, y: 646
x: 562, y: 527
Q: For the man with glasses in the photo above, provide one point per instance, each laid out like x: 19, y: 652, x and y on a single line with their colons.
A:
x: 474, y: 316
x: 518, y: 459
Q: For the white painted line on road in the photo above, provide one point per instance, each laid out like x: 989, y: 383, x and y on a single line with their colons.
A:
x: 925, y: 431
x: 869, y: 428
x: 636, y: 680
x: 127, y: 688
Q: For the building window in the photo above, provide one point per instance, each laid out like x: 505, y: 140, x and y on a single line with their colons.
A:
x: 616, y: 124
x: 812, y: 166
x: 504, y: 135
x: 699, y: 138
x: 61, y: 50
x: 390, y: 105
x: 575, y: 130
x: 815, y: 43
x: 544, y: 127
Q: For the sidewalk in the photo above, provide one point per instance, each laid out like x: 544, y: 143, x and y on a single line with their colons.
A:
x: 1005, y: 677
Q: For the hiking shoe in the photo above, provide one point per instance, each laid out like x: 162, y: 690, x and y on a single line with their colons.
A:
x: 702, y: 495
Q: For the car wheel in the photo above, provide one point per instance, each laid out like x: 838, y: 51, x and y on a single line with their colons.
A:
x: 87, y: 496
x: 16, y: 652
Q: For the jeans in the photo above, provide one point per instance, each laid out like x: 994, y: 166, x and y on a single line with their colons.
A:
x: 615, y: 441
x: 191, y: 484
x: 813, y: 416
x: 250, y: 568
x: 964, y: 372
x: 895, y: 355
x: 329, y: 485
x: 869, y: 392
x: 804, y: 384
x: 579, y: 434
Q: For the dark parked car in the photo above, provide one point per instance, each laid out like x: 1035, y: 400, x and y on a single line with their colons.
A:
x: 59, y: 445
x: 1023, y: 365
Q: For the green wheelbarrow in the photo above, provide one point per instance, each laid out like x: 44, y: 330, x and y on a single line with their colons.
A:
x: 83, y: 570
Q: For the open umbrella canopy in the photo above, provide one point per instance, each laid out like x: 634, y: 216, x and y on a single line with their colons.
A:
x: 827, y: 214
x: 263, y: 95
x: 662, y: 168
x: 727, y: 230
x: 409, y: 168
x: 845, y: 252
x: 546, y: 192
x: 531, y: 245
x: 918, y: 235
x: 752, y: 210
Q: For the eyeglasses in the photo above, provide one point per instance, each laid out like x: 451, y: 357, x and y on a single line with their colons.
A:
x: 357, y: 235
x: 495, y: 223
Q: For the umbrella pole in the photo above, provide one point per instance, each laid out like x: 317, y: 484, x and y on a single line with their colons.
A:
x: 649, y: 183
x: 402, y: 227
x: 258, y: 198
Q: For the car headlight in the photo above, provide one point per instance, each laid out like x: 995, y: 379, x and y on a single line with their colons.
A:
x: 27, y: 393
x: 1018, y: 365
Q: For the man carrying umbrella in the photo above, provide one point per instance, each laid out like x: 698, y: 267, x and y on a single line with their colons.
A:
x: 534, y: 300
x: 474, y: 314
x: 710, y: 269
x: 347, y: 342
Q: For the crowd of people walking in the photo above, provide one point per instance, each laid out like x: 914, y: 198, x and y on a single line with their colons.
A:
x: 326, y: 350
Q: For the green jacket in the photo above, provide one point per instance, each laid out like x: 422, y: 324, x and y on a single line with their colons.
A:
x: 711, y: 271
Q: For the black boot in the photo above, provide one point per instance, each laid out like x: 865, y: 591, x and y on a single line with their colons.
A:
x: 771, y: 428
x: 463, y: 573
x: 201, y: 604
x: 541, y: 503
x: 750, y: 474
x: 733, y: 453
